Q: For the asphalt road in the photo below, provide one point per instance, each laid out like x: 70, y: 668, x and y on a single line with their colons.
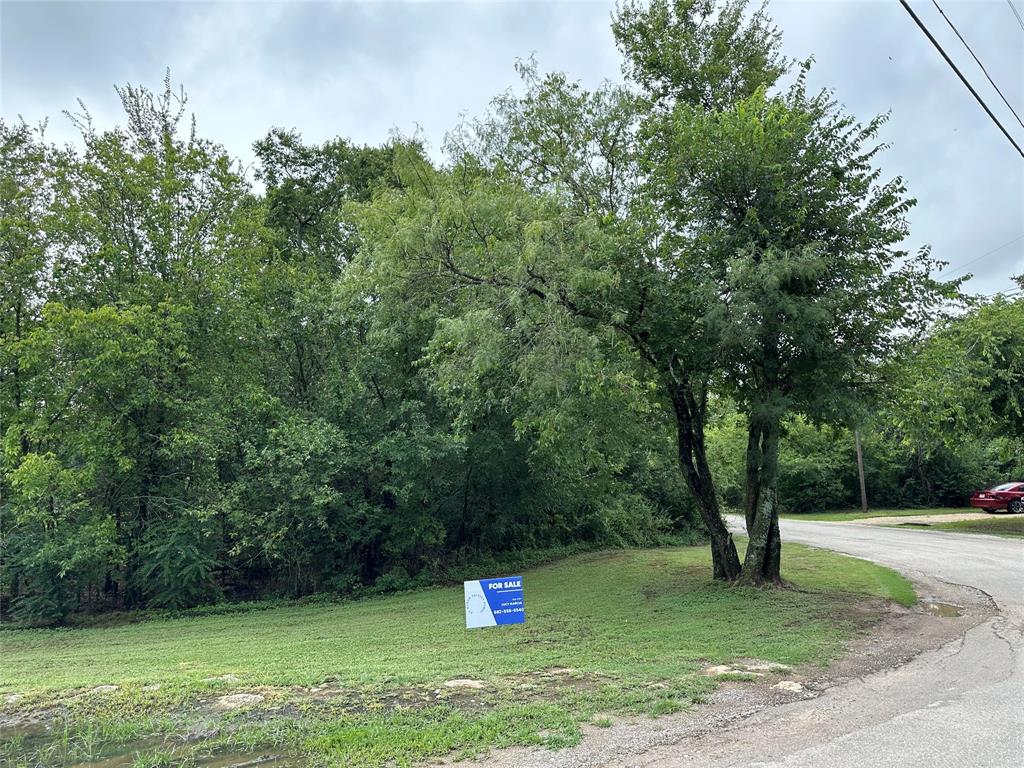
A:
x: 961, y: 705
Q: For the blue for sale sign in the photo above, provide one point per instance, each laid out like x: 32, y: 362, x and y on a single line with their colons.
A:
x: 490, y: 602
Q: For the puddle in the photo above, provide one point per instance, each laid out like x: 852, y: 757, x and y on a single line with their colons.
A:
x: 119, y: 760
x: 945, y: 610
x: 222, y: 760
x: 248, y: 761
x: 36, y: 750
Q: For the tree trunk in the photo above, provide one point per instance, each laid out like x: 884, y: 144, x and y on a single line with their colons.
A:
x: 694, y: 465
x: 753, y: 475
x: 860, y: 473
x: 763, y: 559
x: 926, y: 485
x: 23, y: 442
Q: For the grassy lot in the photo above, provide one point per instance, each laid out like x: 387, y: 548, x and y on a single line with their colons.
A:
x: 1010, y: 526
x: 615, y: 632
x: 842, y: 516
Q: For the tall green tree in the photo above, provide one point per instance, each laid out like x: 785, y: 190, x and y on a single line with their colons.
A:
x: 797, y: 243
x: 756, y: 249
x: 28, y: 186
x: 136, y: 366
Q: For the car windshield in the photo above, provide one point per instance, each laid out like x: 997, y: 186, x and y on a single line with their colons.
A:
x: 1006, y: 487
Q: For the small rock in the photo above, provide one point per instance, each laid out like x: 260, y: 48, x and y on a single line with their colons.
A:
x: 13, y: 698
x: 766, y: 667
x: 789, y: 685
x: 237, y: 700
x: 104, y: 689
x: 462, y: 682
x: 721, y: 669
x: 151, y: 687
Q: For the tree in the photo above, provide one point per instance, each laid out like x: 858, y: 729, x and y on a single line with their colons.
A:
x: 797, y: 242
x: 378, y: 367
x: 136, y: 363
x: 702, y: 53
x: 587, y: 149
x: 27, y: 188
x: 961, y: 383
x: 745, y: 241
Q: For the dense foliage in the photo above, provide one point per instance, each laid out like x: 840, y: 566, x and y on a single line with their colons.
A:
x: 723, y: 232
x: 609, y: 314
x: 196, y: 400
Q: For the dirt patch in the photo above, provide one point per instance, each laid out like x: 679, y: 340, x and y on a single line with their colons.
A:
x: 906, y: 632
x: 248, y: 760
x: 237, y: 701
x: 548, y: 683
x: 465, y: 682
x: 207, y: 718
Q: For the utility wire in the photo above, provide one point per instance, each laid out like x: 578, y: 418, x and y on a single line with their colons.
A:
x: 961, y: 76
x: 1016, y: 13
x: 1007, y: 294
x: 976, y: 59
x: 979, y: 258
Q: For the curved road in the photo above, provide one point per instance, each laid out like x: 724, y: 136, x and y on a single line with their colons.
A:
x: 961, y: 705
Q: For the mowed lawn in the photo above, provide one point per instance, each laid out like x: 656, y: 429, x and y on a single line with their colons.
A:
x: 613, y: 632
x: 641, y: 613
x: 1009, y: 526
x: 845, y: 515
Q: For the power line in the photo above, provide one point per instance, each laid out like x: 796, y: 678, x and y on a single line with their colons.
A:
x: 1007, y: 294
x: 961, y: 76
x: 979, y: 258
x: 1016, y: 13
x: 976, y: 59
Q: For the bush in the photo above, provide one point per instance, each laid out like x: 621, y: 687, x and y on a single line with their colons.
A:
x: 177, y: 564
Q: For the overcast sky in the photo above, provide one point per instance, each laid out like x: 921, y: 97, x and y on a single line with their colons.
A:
x: 363, y: 69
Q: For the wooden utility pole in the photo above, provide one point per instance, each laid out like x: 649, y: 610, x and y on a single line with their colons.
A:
x: 860, y: 471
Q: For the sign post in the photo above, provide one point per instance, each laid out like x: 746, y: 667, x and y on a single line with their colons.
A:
x: 492, y: 602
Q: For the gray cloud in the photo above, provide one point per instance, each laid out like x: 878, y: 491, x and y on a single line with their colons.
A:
x: 969, y: 181
x: 362, y: 69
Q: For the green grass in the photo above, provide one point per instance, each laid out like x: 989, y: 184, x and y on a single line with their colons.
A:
x: 1011, y: 527
x: 845, y: 515
x: 632, y: 631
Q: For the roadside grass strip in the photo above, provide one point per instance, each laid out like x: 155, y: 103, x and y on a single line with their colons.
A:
x: 846, y: 515
x: 398, y: 680
x: 1009, y: 527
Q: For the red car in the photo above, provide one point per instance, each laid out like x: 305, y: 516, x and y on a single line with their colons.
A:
x: 1008, y: 496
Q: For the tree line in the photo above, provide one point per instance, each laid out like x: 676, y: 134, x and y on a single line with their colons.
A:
x: 606, y: 315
